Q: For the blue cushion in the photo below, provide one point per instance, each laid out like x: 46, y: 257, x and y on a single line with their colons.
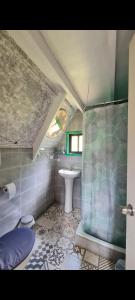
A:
x: 15, y: 247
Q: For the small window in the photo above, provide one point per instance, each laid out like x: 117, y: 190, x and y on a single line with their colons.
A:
x: 74, y: 141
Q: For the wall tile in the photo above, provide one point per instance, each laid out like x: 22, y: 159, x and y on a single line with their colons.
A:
x: 27, y: 170
x: 9, y: 160
x: 34, y: 183
x: 26, y: 157
x: 9, y: 175
x: 28, y: 183
x: 41, y: 208
x: 9, y: 206
x: 9, y: 222
x: 28, y: 201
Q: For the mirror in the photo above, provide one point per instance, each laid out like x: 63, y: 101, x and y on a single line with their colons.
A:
x: 58, y: 124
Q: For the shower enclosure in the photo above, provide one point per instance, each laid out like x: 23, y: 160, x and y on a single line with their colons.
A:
x: 104, y: 172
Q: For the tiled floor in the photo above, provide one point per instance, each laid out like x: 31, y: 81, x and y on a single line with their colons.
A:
x: 55, y: 244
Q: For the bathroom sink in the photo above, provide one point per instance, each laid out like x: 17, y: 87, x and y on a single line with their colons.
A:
x: 69, y: 176
x: 69, y: 173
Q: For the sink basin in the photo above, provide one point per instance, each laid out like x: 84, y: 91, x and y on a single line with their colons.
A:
x: 69, y: 173
x: 69, y: 176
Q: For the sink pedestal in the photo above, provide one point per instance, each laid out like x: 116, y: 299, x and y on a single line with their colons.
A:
x: 68, y: 195
x: 69, y: 176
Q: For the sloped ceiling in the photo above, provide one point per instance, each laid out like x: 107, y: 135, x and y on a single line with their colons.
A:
x: 88, y: 66
x: 88, y: 59
x: 26, y: 95
x: 95, y: 61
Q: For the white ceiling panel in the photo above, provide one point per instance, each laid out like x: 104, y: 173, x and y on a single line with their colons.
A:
x: 88, y: 59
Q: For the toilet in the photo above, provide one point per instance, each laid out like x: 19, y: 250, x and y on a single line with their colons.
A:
x: 15, y: 248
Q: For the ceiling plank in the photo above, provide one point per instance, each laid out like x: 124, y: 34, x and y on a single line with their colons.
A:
x: 88, y: 59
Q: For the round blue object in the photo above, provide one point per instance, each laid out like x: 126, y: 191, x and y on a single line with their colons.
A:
x: 15, y: 246
x: 120, y: 264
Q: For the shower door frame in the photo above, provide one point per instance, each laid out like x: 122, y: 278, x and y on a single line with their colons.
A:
x: 130, y: 220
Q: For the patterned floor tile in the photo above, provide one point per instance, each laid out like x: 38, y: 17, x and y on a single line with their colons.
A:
x: 87, y: 266
x: 65, y: 243
x: 55, y: 247
x: 45, y: 255
x: 35, y: 263
x: 91, y: 258
x: 79, y: 250
x: 105, y: 264
x: 56, y: 257
x: 71, y: 262
x: 46, y: 223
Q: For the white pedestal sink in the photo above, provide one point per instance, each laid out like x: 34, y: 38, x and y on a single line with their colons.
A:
x: 69, y: 176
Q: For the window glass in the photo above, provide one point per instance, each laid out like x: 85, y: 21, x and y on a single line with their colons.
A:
x: 80, y: 143
x: 74, y: 143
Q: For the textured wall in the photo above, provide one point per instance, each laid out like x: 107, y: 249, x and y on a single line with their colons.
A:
x: 34, y: 182
x: 122, y: 62
x: 104, y: 176
x: 69, y: 162
x: 26, y: 95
